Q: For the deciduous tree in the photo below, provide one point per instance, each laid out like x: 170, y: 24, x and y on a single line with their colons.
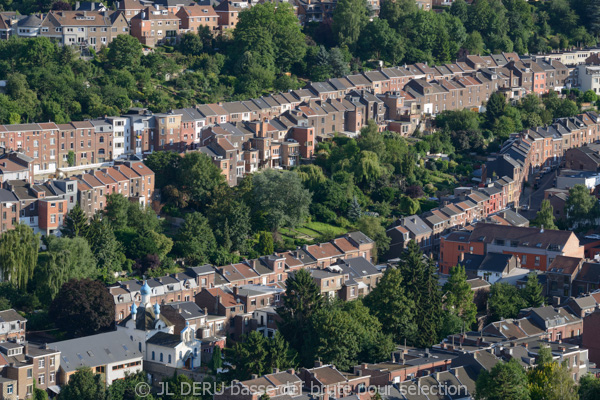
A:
x: 349, y: 18
x: 66, y: 258
x: 589, y: 387
x: 83, y: 307
x: 505, y: 381
x: 83, y: 384
x: 282, y: 198
x: 18, y: 255
x: 195, y: 240
x: 125, y: 51
x: 582, y: 208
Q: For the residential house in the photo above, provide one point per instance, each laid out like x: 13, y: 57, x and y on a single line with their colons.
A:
x: 536, y: 248
x: 155, y: 25
x: 195, y: 16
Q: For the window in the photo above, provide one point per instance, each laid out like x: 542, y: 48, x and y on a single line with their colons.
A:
x: 52, y: 377
x: 42, y: 379
x: 9, y: 389
x: 42, y: 363
x: 169, y: 359
x: 30, y: 373
x: 537, y: 260
x: 153, y: 356
x: 52, y: 361
x: 161, y: 357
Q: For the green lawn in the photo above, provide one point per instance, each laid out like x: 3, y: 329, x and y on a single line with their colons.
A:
x: 321, y: 226
x: 311, y: 230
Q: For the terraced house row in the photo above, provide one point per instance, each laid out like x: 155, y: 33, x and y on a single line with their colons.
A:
x: 279, y: 130
x: 239, y: 297
x: 44, y: 205
x: 522, y: 155
x: 531, y: 150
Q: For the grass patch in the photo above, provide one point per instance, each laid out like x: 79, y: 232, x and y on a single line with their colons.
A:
x: 320, y: 227
x: 308, y: 231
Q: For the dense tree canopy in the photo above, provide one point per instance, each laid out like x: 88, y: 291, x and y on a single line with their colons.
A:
x: 83, y: 384
x: 302, y: 299
x: 18, y: 254
x: 65, y: 259
x: 458, y: 296
x: 280, y: 197
x: 582, y: 208
x: 505, y: 381
x: 83, y: 307
x: 47, y: 82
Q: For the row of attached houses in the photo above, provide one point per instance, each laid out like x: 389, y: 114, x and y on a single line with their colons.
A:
x: 43, y: 206
x: 395, y: 98
x: 467, y: 206
x: 241, y: 297
x: 448, y: 370
x: 96, y: 27
x: 533, y: 149
x: 535, y: 248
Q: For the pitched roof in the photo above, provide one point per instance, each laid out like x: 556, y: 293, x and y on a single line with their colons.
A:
x: 328, y: 375
x: 11, y: 315
x: 323, y: 250
x: 564, y: 265
x: 97, y: 350
x: 495, y: 262
x: 523, y: 236
x: 164, y: 339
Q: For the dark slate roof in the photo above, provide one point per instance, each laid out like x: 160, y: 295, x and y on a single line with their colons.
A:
x: 145, y: 319
x: 471, y: 262
x: 203, y: 269
x: 526, y: 237
x: 359, y: 237
x: 164, y: 339
x: 30, y: 21
x: 495, y: 262
x: 358, y: 267
x: 96, y: 350
x: 7, y: 196
x: 514, y: 218
x: 187, y: 309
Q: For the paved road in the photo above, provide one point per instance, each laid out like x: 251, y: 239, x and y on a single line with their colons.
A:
x: 534, y: 197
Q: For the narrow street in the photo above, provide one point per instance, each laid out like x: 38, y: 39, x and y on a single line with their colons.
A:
x: 533, y: 197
